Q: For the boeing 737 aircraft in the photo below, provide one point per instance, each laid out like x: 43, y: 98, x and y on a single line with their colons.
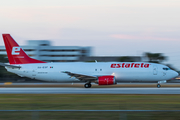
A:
x: 102, y: 73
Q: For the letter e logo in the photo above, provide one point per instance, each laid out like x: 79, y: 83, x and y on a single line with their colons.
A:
x: 15, y: 50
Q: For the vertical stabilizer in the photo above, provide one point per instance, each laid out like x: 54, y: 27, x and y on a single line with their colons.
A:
x: 15, y: 53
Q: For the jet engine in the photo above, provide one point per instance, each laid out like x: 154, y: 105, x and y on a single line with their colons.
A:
x: 106, y: 80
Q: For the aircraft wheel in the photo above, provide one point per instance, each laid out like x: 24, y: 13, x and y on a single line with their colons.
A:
x: 87, y: 85
x: 158, y: 85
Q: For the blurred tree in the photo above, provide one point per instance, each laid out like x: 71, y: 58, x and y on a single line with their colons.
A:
x: 3, y: 71
x: 170, y: 66
x: 125, y: 59
x: 3, y: 59
x: 155, y: 57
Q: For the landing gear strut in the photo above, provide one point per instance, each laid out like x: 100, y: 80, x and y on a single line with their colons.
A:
x: 87, y: 85
x: 158, y: 85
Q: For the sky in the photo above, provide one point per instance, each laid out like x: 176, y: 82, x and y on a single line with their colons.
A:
x: 112, y: 27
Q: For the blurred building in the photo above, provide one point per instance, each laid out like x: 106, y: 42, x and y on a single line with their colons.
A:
x: 42, y: 50
x: 111, y: 58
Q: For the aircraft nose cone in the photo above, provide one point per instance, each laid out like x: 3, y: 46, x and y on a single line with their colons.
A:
x: 175, y: 73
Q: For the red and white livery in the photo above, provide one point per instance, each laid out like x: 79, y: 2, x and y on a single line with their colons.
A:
x: 102, y: 73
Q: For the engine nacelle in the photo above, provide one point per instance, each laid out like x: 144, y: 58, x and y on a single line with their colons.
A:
x: 106, y: 80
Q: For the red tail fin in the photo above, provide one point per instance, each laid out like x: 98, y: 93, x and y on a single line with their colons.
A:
x: 16, y: 54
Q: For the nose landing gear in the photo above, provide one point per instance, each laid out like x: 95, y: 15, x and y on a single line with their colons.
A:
x: 158, y: 85
x: 161, y: 82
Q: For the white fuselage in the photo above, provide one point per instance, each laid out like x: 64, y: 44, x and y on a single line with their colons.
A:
x: 54, y: 71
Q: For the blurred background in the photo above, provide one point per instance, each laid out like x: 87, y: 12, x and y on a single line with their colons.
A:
x: 109, y: 27
x: 102, y: 30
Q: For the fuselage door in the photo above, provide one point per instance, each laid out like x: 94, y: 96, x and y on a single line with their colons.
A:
x: 155, y: 70
x: 34, y: 73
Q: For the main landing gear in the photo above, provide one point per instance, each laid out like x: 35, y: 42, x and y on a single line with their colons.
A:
x: 87, y: 85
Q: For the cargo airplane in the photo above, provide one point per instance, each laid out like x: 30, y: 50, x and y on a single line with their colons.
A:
x: 102, y: 73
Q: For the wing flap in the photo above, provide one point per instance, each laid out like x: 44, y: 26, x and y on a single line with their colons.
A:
x: 81, y: 77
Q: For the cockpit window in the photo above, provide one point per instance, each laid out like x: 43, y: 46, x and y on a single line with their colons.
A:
x: 166, y: 68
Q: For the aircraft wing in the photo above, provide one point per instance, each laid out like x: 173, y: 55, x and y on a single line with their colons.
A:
x: 11, y: 66
x: 81, y: 77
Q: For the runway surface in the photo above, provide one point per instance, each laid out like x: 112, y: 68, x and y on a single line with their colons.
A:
x: 89, y: 90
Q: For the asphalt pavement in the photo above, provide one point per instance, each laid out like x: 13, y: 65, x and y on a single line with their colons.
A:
x: 89, y: 90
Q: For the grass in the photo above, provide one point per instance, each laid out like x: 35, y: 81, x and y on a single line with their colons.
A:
x: 88, y: 102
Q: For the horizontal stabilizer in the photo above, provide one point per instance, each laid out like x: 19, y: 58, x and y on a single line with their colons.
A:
x: 11, y: 66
